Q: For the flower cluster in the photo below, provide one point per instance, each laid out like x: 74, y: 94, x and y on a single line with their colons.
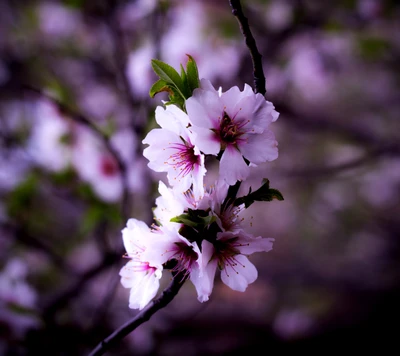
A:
x: 198, y: 229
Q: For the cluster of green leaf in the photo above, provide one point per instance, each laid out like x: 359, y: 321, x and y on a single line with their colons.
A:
x: 264, y: 193
x: 179, y: 87
x: 199, y: 225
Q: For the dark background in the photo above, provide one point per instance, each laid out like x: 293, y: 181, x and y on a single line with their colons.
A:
x: 74, y: 67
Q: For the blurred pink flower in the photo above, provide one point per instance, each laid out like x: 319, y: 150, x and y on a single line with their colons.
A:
x: 52, y: 137
x: 15, y: 294
x: 95, y: 164
x: 191, y: 32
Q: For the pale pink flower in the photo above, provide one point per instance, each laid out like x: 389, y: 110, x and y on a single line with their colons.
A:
x: 171, y: 150
x: 149, y: 249
x: 229, y: 254
x: 139, y: 274
x: 171, y: 246
x: 236, y: 122
x: 169, y: 204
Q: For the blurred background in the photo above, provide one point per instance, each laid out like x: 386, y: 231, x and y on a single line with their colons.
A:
x: 74, y: 108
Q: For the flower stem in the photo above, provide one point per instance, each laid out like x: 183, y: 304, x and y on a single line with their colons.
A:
x: 163, y: 300
x: 258, y: 72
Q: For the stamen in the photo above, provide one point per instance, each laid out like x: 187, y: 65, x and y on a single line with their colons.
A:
x: 184, y: 159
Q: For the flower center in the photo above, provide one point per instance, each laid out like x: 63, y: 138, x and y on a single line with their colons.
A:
x: 184, y: 159
x: 230, y: 130
x: 185, y: 257
x: 108, y: 167
x: 225, y: 252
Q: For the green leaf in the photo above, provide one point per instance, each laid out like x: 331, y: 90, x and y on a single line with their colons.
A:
x: 183, y: 75
x: 208, y: 220
x: 76, y: 4
x: 187, y: 92
x: 373, y: 47
x: 169, y: 74
x: 158, y: 87
x: 21, y: 309
x: 184, y: 219
x: 264, y: 193
x: 231, y: 195
x: 176, y: 99
x: 198, y: 219
x: 192, y: 74
x: 21, y: 198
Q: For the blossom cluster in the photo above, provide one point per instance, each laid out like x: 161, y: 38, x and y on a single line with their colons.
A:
x: 198, y: 229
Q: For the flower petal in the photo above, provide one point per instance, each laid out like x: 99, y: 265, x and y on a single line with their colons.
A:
x: 259, y: 148
x: 252, y: 244
x: 206, y: 140
x: 232, y: 166
x: 203, y: 277
x: 144, y: 291
x: 239, y: 275
x: 172, y: 118
x: 204, y: 108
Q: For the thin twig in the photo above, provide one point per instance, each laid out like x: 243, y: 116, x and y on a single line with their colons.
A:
x: 258, y: 72
x: 26, y: 238
x: 120, y: 54
x: 333, y: 125
x: 102, y: 309
x: 81, y: 119
x: 319, y: 172
x: 62, y: 299
x: 165, y: 298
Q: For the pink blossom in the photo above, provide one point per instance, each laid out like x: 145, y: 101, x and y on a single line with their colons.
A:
x: 236, y: 122
x: 229, y: 254
x: 139, y: 274
x: 187, y: 257
x: 171, y: 150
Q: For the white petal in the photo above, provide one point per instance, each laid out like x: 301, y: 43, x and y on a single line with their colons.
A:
x: 239, y: 276
x: 204, y: 108
x: 134, y: 235
x: 230, y: 98
x: 128, y: 275
x: 255, y: 244
x: 206, y: 140
x: 198, y: 179
x: 160, y: 149
x: 232, y: 166
x: 172, y: 119
x: 203, y: 277
x: 206, y: 85
x: 144, y: 291
x: 260, y: 148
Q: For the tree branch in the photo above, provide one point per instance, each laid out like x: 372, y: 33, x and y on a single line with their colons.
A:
x: 163, y: 300
x: 258, y: 72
